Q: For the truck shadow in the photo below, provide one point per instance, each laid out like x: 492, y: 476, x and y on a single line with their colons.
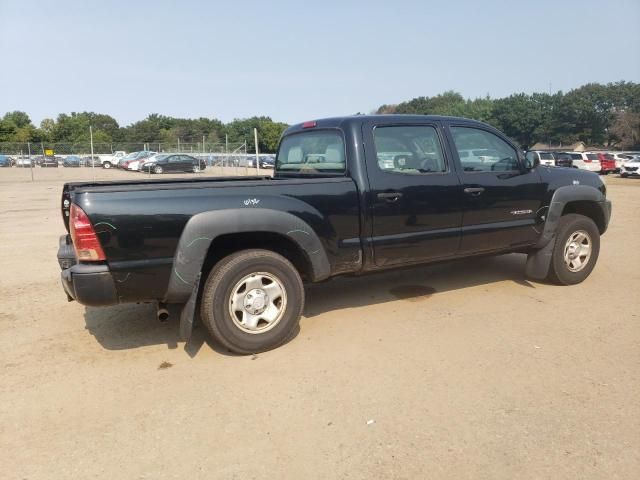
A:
x: 414, y: 283
x: 130, y: 326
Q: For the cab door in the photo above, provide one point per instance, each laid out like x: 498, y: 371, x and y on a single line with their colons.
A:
x: 414, y: 195
x: 502, y: 199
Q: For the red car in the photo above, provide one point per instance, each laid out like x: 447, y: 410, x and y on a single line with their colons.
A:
x: 607, y: 163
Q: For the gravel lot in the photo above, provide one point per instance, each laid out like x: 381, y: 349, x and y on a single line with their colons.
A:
x: 463, y: 370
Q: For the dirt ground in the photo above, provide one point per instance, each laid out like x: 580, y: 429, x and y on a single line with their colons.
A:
x: 463, y: 370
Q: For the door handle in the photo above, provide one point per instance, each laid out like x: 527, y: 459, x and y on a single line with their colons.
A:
x: 474, y: 192
x: 390, y: 196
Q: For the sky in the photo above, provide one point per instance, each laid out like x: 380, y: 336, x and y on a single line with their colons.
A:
x: 299, y: 60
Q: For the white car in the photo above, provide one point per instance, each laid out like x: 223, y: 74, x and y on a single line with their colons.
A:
x: 620, y: 158
x: 24, y: 162
x: 630, y: 168
x: 112, y: 160
x: 584, y: 160
x: 543, y: 158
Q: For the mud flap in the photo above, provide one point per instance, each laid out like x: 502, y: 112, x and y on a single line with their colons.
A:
x: 538, y: 262
x: 187, y: 315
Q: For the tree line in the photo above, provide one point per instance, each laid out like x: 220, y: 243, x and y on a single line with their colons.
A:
x: 598, y: 115
x: 73, y: 128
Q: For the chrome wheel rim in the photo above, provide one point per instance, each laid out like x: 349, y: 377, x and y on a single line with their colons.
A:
x: 257, y: 302
x: 158, y: 170
x: 577, y: 251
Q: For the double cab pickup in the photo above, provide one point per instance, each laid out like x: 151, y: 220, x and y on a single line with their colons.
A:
x: 349, y: 196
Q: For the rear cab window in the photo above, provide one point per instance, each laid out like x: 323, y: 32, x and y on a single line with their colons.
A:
x: 312, y: 152
x: 546, y: 156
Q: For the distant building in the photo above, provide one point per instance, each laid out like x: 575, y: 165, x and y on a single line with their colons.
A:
x: 573, y: 147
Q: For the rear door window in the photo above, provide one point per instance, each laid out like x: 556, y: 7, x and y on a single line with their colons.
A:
x: 408, y: 149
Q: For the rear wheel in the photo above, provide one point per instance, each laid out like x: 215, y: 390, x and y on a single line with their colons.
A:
x: 157, y: 169
x: 252, y: 301
x: 576, y: 250
x: 106, y: 165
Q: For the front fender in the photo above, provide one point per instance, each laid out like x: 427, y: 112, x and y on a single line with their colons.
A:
x: 564, y: 195
x: 203, y: 228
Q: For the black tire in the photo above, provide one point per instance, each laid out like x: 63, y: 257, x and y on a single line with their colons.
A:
x: 568, y: 225
x: 195, y: 169
x: 157, y: 169
x: 221, y: 284
x: 106, y: 165
x: 623, y: 175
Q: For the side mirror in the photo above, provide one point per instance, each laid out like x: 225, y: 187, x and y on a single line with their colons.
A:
x: 531, y: 161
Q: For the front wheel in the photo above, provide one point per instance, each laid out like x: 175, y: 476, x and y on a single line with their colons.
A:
x: 195, y: 169
x: 576, y: 250
x: 252, y: 301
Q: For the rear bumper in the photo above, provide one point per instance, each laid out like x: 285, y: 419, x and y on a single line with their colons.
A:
x: 88, y: 284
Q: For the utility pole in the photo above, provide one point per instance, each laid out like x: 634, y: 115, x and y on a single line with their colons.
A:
x: 30, y: 162
x: 255, y: 139
x: 93, y: 163
x: 178, y: 144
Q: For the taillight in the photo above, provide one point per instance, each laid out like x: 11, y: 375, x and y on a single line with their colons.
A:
x: 85, y: 240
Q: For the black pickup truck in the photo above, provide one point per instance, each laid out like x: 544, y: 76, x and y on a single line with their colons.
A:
x: 349, y: 195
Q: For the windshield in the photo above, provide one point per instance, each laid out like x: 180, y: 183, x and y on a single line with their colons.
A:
x: 320, y: 151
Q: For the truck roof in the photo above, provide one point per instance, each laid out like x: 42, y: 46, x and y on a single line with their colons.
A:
x: 351, y: 120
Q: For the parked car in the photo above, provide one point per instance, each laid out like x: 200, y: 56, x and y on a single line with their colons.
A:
x: 94, y: 161
x: 631, y: 168
x: 267, y: 162
x: 134, y: 156
x: 607, y: 163
x: 542, y: 157
x: 620, y: 158
x: 146, y: 165
x: 134, y: 165
x: 239, y: 248
x: 25, y: 162
x: 49, y: 161
x: 111, y: 160
x: 564, y: 159
x: 178, y: 162
x: 5, y: 161
x: 582, y: 160
x: 72, y: 161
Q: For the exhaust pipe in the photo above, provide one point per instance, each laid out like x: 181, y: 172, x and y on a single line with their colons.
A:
x: 163, y: 313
